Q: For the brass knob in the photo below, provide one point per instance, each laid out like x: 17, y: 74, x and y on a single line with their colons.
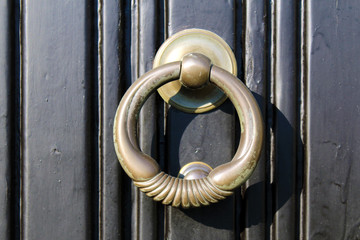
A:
x: 191, y: 191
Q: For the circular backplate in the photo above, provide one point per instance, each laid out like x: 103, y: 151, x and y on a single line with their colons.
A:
x: 195, y: 41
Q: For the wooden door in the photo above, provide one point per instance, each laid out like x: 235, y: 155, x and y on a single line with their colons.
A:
x: 64, y: 66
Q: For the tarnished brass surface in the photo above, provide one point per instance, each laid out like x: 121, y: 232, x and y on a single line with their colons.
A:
x: 137, y: 165
x: 195, y: 70
x: 195, y: 170
x: 221, y: 180
x: 195, y: 41
x: 230, y: 175
x: 182, y: 192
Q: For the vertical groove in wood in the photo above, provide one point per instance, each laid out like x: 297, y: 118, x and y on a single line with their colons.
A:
x: 8, y: 121
x: 134, y: 74
x: 303, y: 118
x: 20, y: 116
x: 143, y: 46
x: 300, y: 121
x: 270, y: 121
x: 307, y: 43
x: 285, y: 125
x: 135, y: 27
x: 100, y: 15
x: 255, y: 75
x: 125, y: 82
x: 92, y: 108
x: 148, y: 138
x: 17, y: 95
x: 113, y: 69
x: 59, y: 120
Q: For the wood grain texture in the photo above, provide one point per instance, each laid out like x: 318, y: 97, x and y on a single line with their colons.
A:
x: 333, y: 117
x: 111, y: 67
x: 285, y: 85
x: 59, y: 133
x: 255, y: 76
x: 205, y: 137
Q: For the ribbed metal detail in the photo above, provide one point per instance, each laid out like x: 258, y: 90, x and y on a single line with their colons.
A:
x: 176, y: 191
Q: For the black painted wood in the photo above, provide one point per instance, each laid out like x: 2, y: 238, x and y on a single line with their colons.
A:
x: 284, y: 86
x: 127, y: 196
x: 77, y: 59
x: 111, y: 59
x: 146, y: 29
x: 255, y: 76
x: 201, y: 137
x: 59, y: 120
x: 7, y: 120
x: 332, y: 147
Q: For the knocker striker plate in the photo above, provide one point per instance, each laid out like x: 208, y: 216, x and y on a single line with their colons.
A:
x: 195, y: 41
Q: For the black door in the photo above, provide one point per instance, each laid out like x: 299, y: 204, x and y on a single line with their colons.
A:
x: 64, y: 66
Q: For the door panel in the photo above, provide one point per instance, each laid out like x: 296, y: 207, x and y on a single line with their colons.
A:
x: 66, y: 64
x: 58, y: 121
x: 333, y: 129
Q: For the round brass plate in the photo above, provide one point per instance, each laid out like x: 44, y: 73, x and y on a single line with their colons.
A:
x: 195, y: 41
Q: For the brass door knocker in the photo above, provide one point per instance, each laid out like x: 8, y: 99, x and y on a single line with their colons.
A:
x: 207, y: 185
